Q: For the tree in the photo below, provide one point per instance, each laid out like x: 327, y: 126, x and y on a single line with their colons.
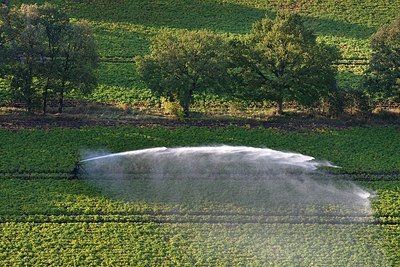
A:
x: 26, y: 35
x: 382, y: 78
x: 71, y: 54
x: 56, y: 24
x: 183, y: 64
x: 282, y: 61
x: 77, y: 61
x: 48, y: 53
x: 3, y: 36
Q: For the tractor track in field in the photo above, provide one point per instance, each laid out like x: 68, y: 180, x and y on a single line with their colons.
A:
x: 202, y: 213
x: 212, y: 217
x: 191, y: 219
x: 282, y: 123
x: 393, y: 176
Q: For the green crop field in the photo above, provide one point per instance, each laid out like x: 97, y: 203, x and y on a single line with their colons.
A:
x: 356, y: 150
x: 48, y: 217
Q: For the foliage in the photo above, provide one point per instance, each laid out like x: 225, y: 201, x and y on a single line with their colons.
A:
x: 172, y: 108
x: 79, y: 60
x: 122, y: 32
x: 383, y: 74
x: 49, y: 53
x: 181, y: 65
x: 25, y: 37
x: 335, y: 102
x: 285, y: 63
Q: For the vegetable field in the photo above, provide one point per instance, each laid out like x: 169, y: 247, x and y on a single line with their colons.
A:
x: 50, y: 217
x: 356, y: 150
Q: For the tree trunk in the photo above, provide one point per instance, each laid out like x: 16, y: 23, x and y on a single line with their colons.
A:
x: 29, y: 105
x: 45, y: 101
x: 279, y: 109
x: 29, y: 90
x: 61, y: 99
x: 186, y: 111
x: 45, y: 94
x: 185, y: 104
x: 187, y: 99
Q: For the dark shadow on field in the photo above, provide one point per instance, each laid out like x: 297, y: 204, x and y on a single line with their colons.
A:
x: 330, y: 27
x: 196, y: 14
x: 119, y: 74
x: 120, y: 42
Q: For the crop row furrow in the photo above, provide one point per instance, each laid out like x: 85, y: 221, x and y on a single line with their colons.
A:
x: 160, y: 219
x: 79, y: 174
x: 205, y: 214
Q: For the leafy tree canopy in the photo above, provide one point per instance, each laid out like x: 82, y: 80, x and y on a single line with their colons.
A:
x: 47, y: 53
x: 383, y: 74
x: 182, y: 64
x: 284, y: 62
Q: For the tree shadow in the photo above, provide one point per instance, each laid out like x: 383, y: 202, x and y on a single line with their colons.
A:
x: 199, y: 14
x: 121, y: 43
x: 330, y: 27
x: 196, y: 14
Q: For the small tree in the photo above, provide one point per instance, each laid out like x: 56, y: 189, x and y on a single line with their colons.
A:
x: 26, y: 35
x: 77, y: 61
x: 382, y: 77
x: 56, y: 24
x: 284, y: 62
x: 47, y: 52
x: 183, y: 64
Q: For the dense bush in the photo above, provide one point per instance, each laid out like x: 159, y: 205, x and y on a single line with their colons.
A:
x: 383, y: 74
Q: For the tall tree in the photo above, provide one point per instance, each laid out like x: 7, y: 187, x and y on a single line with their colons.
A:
x: 282, y: 61
x: 56, y: 23
x: 48, y: 53
x: 180, y: 65
x: 27, y: 36
x: 3, y: 36
x: 77, y: 62
x: 382, y: 77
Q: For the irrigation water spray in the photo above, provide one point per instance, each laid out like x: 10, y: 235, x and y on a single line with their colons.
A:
x: 238, y: 185
x: 264, y: 177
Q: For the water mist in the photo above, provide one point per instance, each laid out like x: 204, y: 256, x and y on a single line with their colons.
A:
x: 237, y: 185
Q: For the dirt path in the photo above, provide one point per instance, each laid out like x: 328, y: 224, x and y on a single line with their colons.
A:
x: 290, y: 123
